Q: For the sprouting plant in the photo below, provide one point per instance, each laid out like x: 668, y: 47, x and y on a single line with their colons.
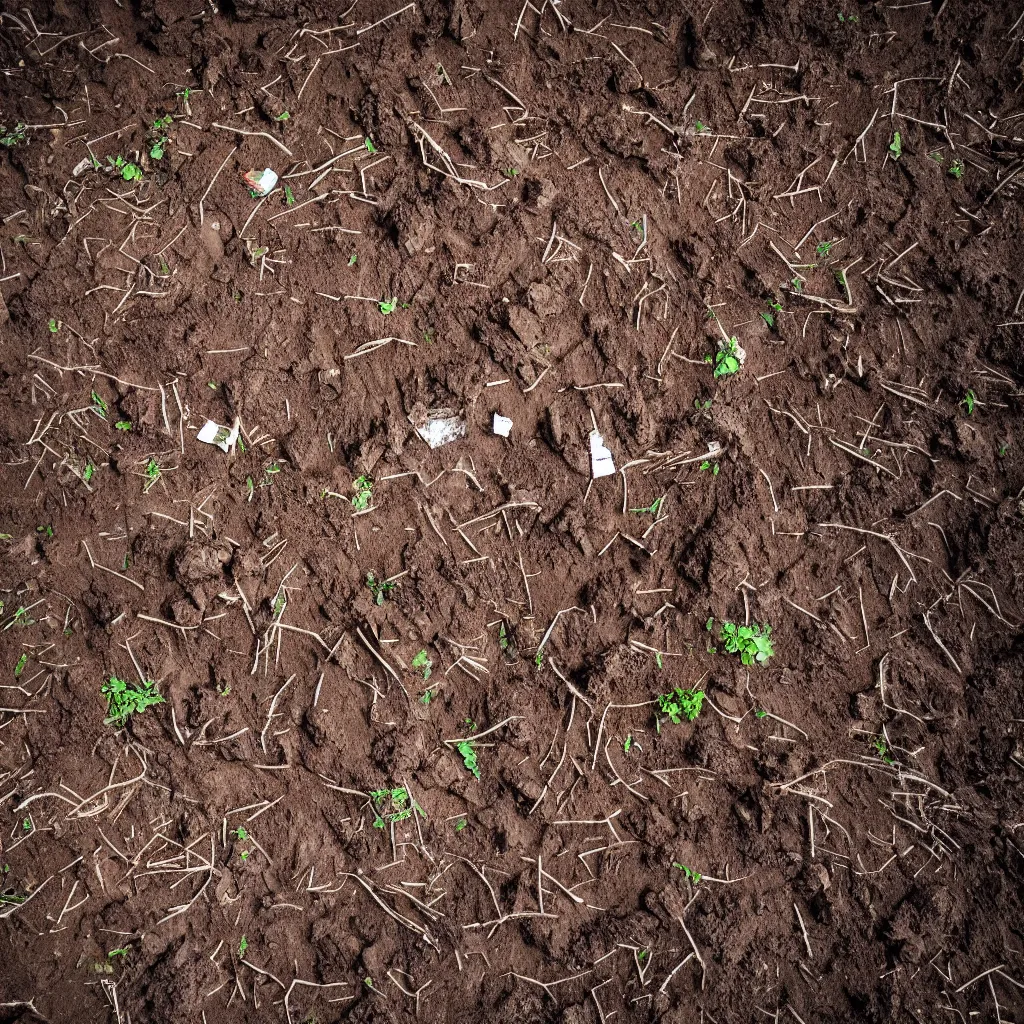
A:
x: 156, y: 147
x: 123, y: 425
x: 679, y: 704
x: 54, y: 325
x: 363, y: 486
x: 379, y: 588
x: 797, y: 284
x: 428, y: 335
x: 243, y: 946
x: 223, y: 689
x: 752, y: 643
x: 538, y: 658
x: 881, y: 748
x: 122, y: 952
x: 388, y: 305
x: 1003, y: 448
x: 465, y: 748
x: 352, y: 260
x: 20, y: 666
x: 758, y: 713
x: 126, y: 699
x: 283, y: 116
x: 708, y: 465
x: 848, y: 17
x: 503, y: 641
x: 627, y: 746
x: 183, y: 94
x: 658, y: 660
x: 11, y: 137
x: 702, y: 406
x: 127, y: 170
x: 99, y: 406
x: 968, y: 402
x: 824, y: 248
x: 691, y: 875
x: 152, y: 475
x: 956, y: 169
x: 652, y: 508
x: 46, y: 530
x: 510, y: 172
x: 769, y: 319
x: 289, y: 195
x: 726, y: 362
x: 896, y: 146
x: 395, y: 804
x: 370, y: 147
x: 472, y: 725
x: 428, y: 696
x: 461, y: 824
x: 240, y: 833
x: 422, y: 664
x: 701, y: 128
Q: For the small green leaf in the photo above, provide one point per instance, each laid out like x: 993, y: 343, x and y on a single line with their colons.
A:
x: 370, y: 147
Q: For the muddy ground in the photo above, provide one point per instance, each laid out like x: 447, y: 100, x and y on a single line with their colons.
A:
x: 561, y: 213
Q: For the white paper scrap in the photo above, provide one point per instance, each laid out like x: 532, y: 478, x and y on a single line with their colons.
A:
x: 442, y: 427
x: 261, y: 182
x: 502, y: 425
x: 223, y: 437
x: 601, y: 461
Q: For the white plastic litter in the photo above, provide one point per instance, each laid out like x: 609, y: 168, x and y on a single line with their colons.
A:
x: 601, y: 461
x: 442, y: 427
x: 714, y: 447
x: 223, y: 437
x: 82, y: 166
x: 261, y: 182
x: 502, y: 425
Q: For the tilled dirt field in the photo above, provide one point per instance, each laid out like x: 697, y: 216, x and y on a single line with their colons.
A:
x: 405, y: 732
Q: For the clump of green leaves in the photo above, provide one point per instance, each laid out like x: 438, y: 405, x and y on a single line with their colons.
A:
x: 652, y: 509
x: 824, y: 248
x: 243, y: 946
x: 691, y: 875
x: 465, y: 748
x: 11, y: 137
x: 701, y: 128
x: 53, y: 325
x: 968, y: 402
x: 353, y: 259
x: 881, y: 748
x: 283, y: 116
x: 769, y: 317
x: 363, y: 486
x: 152, y: 475
x: 461, y: 824
x: 422, y: 664
x: 125, y: 425
x: 122, y: 952
x: 387, y: 306
x: 370, y: 147
x: 289, y: 196
x: 158, y: 136
x: 379, y: 588
x: 99, y: 406
x: 20, y: 666
x: 628, y: 744
x: 510, y: 172
x: 393, y: 805
x: 726, y: 361
x: 752, y: 643
x: 126, y: 699
x: 896, y: 146
x: 127, y: 170
x: 956, y: 169
x: 708, y: 465
x: 679, y: 704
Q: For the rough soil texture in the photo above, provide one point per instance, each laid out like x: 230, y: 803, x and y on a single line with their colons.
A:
x: 574, y: 207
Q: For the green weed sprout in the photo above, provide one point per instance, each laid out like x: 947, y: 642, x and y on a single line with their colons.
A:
x: 387, y: 306
x: 289, y: 196
x: 125, y: 425
x: 679, y: 704
x: 461, y: 824
x: 395, y: 804
x: 11, y: 137
x: 752, y: 643
x: 53, y: 325
x: 628, y: 744
x: 713, y: 466
x: 379, y: 588
x: 701, y: 128
x: 824, y: 248
x: 423, y: 664
x: 726, y: 361
x: 370, y: 147
x: 881, y: 748
x: 510, y: 172
x: 243, y: 946
x: 652, y: 508
x: 20, y: 666
x: 127, y: 170
x: 896, y: 146
x: 691, y: 875
x: 126, y: 699
x: 353, y: 259
x: 283, y: 116
x: 956, y: 169
x: 968, y: 402
x: 363, y: 486
x: 465, y: 748
x: 99, y: 406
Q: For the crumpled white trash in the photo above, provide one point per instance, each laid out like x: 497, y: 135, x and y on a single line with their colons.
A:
x: 502, y: 425
x: 601, y: 461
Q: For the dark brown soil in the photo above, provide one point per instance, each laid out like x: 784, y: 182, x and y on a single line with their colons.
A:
x: 635, y: 178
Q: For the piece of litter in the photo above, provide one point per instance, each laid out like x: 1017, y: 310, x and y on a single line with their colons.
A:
x: 601, y: 461
x: 442, y: 426
x: 714, y: 447
x: 223, y: 437
x: 502, y: 425
x: 261, y: 182
x: 82, y: 166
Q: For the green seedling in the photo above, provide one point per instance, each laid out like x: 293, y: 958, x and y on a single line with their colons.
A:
x: 289, y: 195
x: 726, y: 362
x: 156, y: 147
x: 679, y: 704
x: 243, y: 946
x: 713, y: 466
x: 250, y: 488
x: 26, y: 825
x: 881, y: 748
x: 652, y: 509
x: 283, y: 116
x: 848, y: 18
x: 824, y: 248
x: 363, y: 486
x: 510, y: 172
x: 936, y: 156
x: 968, y: 402
x: 701, y: 128
x: 956, y: 169
x: 152, y: 475
x: 461, y: 824
x: 379, y: 588
x: 122, y: 952
x: 223, y: 689
x: 896, y: 146
x: 123, y: 425
x: 658, y: 660
x: 126, y: 699
x: 11, y: 137
x: 20, y: 666
x: 99, y: 406
x: 245, y: 854
x: 691, y: 875
x: 465, y: 748
x: 796, y: 284
x: 240, y: 833
x: 127, y: 170
x: 183, y: 94
x: 502, y: 638
x: 769, y: 319
x: 538, y: 658
x: 752, y: 643
x: 428, y: 335
x: 759, y: 713
x: 628, y: 745
x: 395, y: 804
x: 387, y: 306
x: 46, y: 530
x: 472, y: 725
x: 702, y: 406
x: 370, y: 147
x: 422, y: 664
x: 428, y: 696
x: 353, y: 259
x: 54, y: 325
x: 1003, y: 449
